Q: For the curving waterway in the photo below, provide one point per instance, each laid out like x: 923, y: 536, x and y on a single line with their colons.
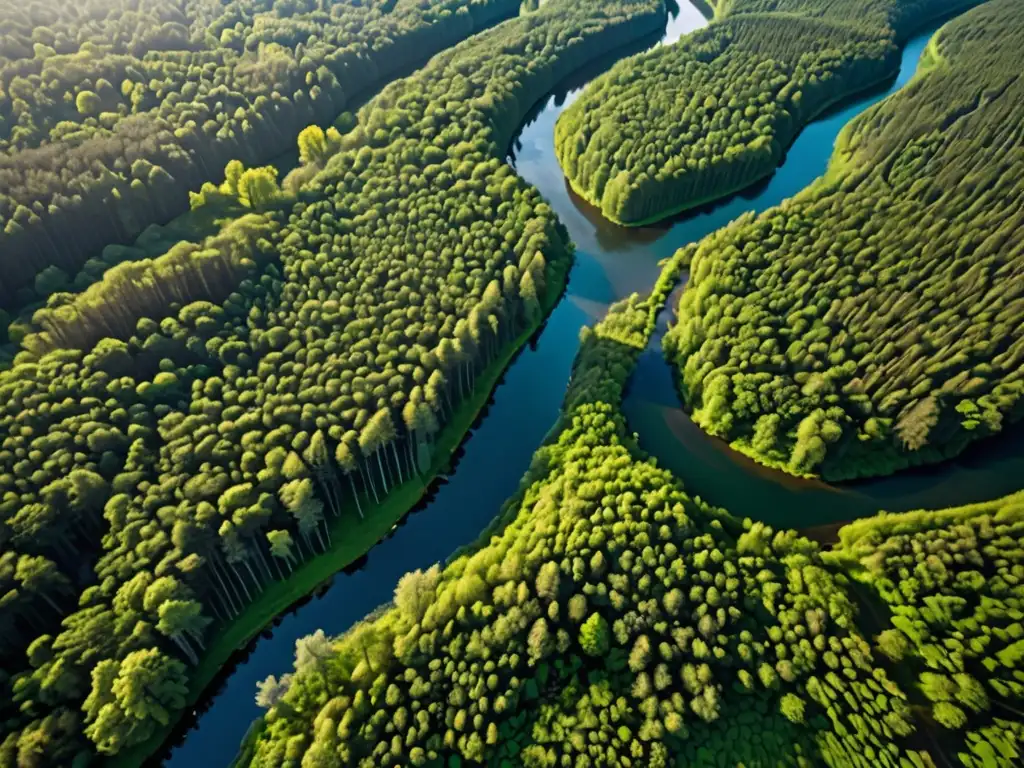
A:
x: 611, y: 263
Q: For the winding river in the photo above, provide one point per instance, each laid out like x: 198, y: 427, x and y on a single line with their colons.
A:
x: 611, y: 263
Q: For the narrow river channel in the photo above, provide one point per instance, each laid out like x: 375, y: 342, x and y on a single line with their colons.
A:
x: 611, y: 263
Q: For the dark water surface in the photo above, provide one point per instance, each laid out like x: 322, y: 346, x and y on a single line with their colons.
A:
x: 611, y: 262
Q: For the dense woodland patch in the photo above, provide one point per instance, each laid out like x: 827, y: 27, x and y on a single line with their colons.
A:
x: 683, y: 124
x: 153, y: 484
x: 873, y: 321
x: 607, y: 618
x: 951, y: 581
x: 111, y: 111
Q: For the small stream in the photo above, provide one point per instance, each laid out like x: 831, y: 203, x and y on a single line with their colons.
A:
x: 611, y: 263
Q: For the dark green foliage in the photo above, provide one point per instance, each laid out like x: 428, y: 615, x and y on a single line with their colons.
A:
x: 110, y: 112
x: 873, y: 321
x: 690, y: 122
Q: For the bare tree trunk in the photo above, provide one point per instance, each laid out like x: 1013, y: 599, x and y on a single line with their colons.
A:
x: 183, y: 644
x: 380, y: 466
x: 394, y: 452
x: 355, y: 495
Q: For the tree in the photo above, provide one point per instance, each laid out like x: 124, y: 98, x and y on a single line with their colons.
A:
x: 792, y: 707
x: 257, y: 187
x: 41, y: 578
x: 949, y: 715
x: 548, y: 579
x: 312, y: 145
x: 282, y: 547
x: 312, y: 651
x: 297, y: 497
x: 270, y: 691
x: 378, y: 432
x: 183, y: 622
x: 415, y: 592
x: 131, y: 697
x: 640, y: 656
x: 893, y: 644
x: 318, y: 457
x: 347, y: 461
x: 594, y: 636
x: 539, y: 642
x: 528, y: 295
x: 88, y: 103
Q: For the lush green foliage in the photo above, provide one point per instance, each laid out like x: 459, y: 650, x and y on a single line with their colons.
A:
x: 605, y: 619
x: 902, y: 16
x: 690, y: 122
x: 111, y: 307
x: 112, y: 110
x: 952, y: 580
x: 873, y: 321
x: 162, y: 478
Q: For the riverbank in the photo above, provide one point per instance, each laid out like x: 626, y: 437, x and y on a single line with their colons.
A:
x: 856, y: 91
x: 353, y: 537
x: 713, y: 469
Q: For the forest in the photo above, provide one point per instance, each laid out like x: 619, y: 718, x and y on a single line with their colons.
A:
x: 949, y: 582
x: 728, y: 100
x: 262, y: 264
x: 189, y: 430
x: 608, y: 618
x: 111, y: 111
x: 872, y: 322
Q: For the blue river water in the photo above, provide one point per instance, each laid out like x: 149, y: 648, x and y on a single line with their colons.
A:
x: 611, y: 262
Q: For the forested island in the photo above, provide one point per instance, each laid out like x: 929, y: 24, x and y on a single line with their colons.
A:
x: 684, y: 124
x: 189, y: 431
x: 873, y: 322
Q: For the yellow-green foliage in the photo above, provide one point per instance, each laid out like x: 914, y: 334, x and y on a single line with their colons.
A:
x: 952, y: 581
x: 687, y: 123
x: 873, y: 321
x: 606, y: 619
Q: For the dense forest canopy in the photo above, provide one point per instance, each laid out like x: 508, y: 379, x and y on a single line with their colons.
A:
x: 950, y: 581
x: 873, y: 321
x: 687, y: 123
x: 248, y: 389
x: 181, y: 428
x: 607, y: 618
x: 111, y: 111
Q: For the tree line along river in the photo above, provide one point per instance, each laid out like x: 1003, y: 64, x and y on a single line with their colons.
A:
x: 611, y: 262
